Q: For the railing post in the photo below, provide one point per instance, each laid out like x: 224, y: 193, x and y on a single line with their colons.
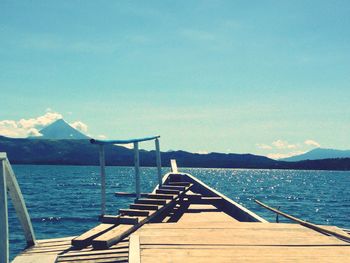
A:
x: 4, y: 230
x: 103, y: 179
x: 18, y: 203
x: 137, y: 169
x: 159, y: 162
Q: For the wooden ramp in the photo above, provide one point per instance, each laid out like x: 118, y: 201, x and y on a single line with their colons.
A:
x: 115, y: 228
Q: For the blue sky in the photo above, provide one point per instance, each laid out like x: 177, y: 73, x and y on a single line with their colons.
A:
x: 265, y: 77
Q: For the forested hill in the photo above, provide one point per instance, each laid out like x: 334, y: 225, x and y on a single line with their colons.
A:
x: 82, y: 152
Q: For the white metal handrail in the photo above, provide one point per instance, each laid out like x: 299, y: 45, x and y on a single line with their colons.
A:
x: 9, y: 184
x: 102, y: 143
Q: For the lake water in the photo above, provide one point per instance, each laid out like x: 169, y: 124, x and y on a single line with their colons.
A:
x: 65, y: 200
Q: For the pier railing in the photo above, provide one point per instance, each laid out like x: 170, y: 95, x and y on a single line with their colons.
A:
x: 135, y: 142
x: 9, y: 185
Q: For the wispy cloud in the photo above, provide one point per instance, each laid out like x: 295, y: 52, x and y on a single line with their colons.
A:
x: 277, y: 156
x: 80, y: 126
x: 280, y: 144
x: 264, y: 146
x: 283, y: 149
x: 312, y: 143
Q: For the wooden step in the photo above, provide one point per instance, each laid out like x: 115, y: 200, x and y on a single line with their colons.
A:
x: 133, y: 212
x: 110, y: 219
x: 151, y: 201
x: 130, y: 220
x: 123, y: 230
x: 111, y: 237
x: 176, y: 187
x: 162, y: 196
x: 179, y: 183
x: 168, y: 191
x: 86, y: 238
x: 144, y: 207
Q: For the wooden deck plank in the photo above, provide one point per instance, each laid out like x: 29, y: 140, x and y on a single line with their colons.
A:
x: 247, y: 254
x: 86, y: 238
x: 134, y: 249
x: 106, y: 240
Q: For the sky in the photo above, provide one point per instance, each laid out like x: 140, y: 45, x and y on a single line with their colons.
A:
x: 264, y: 77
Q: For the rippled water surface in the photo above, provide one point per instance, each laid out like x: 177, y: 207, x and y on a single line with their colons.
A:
x: 65, y: 200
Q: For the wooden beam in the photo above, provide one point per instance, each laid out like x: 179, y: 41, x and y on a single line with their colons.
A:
x: 306, y: 224
x: 173, y: 166
x: 159, y: 162
x: 151, y: 201
x: 176, y: 187
x: 18, y: 203
x: 86, y: 238
x: 114, y: 236
x: 162, y: 196
x: 137, y: 170
x: 4, y: 230
x: 144, y: 207
x: 103, y: 179
x: 134, y: 249
x: 167, y: 191
x: 134, y: 212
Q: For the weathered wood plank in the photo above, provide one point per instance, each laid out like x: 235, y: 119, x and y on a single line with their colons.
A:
x: 167, y: 191
x: 179, y: 183
x: 173, y: 166
x: 152, y: 201
x: 4, y: 229
x: 134, y: 212
x: 144, y: 207
x: 18, y: 203
x: 86, y: 238
x: 111, y: 237
x: 177, y: 187
x: 162, y: 196
x: 134, y: 249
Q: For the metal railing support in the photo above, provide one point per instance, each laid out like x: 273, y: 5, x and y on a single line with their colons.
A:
x: 102, y: 143
x: 103, y: 179
x: 4, y: 230
x: 159, y: 162
x: 137, y: 170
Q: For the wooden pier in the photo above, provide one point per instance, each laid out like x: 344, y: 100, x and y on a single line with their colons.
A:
x: 195, y: 224
x: 182, y: 220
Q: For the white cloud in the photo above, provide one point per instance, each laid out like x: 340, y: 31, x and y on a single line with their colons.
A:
x: 280, y: 144
x: 31, y: 127
x: 27, y: 127
x: 80, y: 126
x: 264, y: 146
x: 284, y: 155
x: 101, y: 136
x: 312, y: 143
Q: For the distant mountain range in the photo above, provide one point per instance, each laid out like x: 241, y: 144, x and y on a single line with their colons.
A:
x: 318, y: 154
x: 82, y: 152
x: 60, y: 130
x: 62, y: 144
